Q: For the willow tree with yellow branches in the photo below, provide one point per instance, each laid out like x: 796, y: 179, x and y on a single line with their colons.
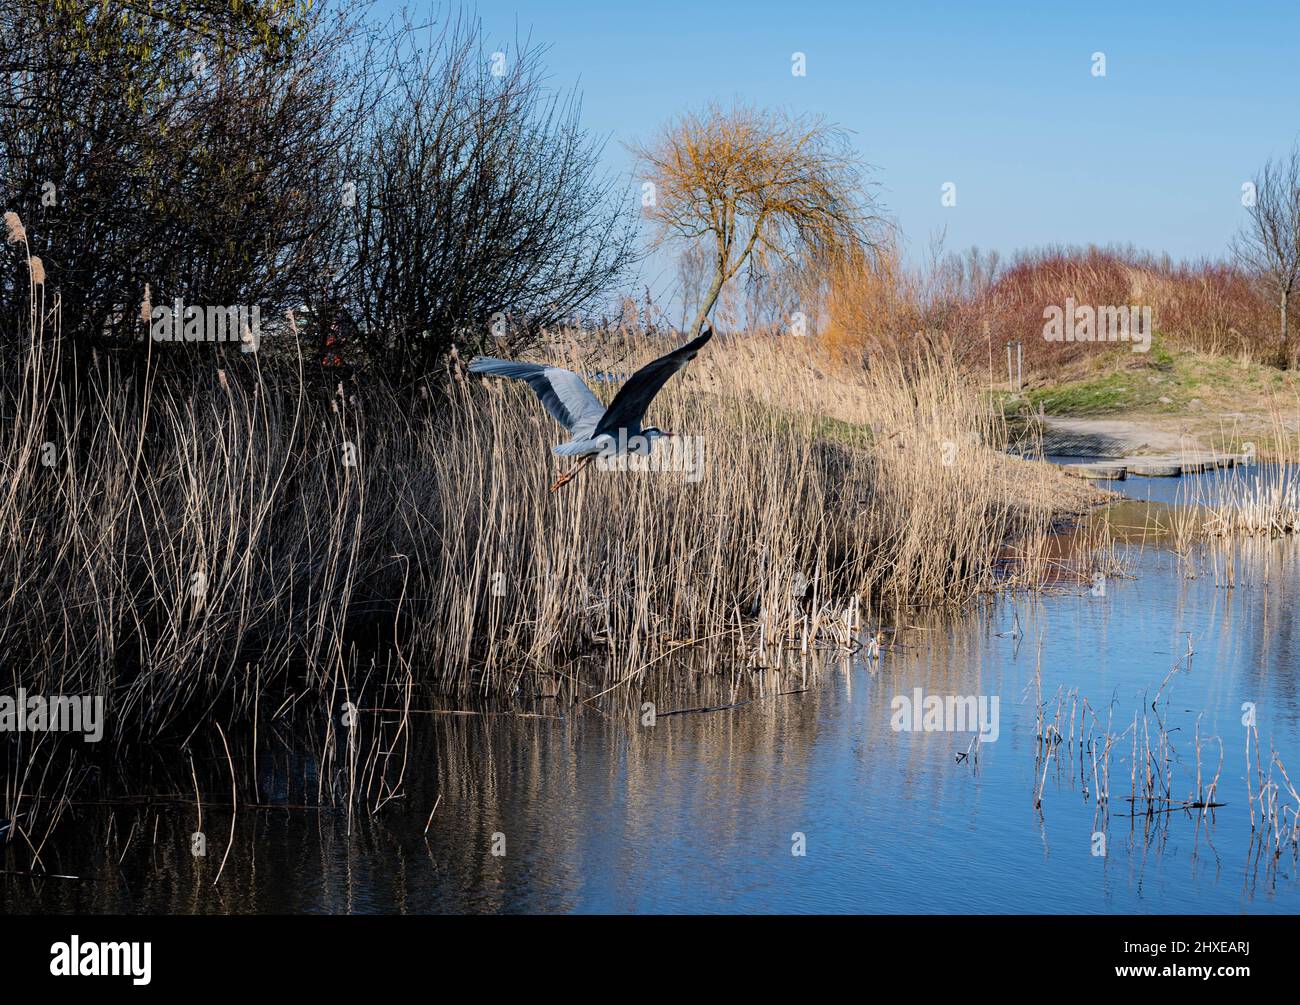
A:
x: 758, y: 188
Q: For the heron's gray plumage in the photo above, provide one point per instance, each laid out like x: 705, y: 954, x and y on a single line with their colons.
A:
x: 628, y: 407
x: 592, y: 426
x: 563, y: 392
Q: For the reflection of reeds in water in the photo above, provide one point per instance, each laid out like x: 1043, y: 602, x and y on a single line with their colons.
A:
x: 1269, y: 805
x: 1235, y: 561
x: 1074, y: 743
x: 565, y: 795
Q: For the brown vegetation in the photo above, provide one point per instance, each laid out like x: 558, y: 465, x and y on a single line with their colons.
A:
x: 873, y: 301
x: 247, y: 552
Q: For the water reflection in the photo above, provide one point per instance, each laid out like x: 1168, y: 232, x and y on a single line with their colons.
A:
x: 701, y: 811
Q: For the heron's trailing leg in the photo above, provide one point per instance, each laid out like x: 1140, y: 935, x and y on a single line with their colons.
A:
x: 573, y: 472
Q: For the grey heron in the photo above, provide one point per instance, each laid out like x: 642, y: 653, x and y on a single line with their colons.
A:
x: 593, y: 428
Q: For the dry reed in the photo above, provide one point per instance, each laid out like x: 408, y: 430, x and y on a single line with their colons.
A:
x: 244, y: 550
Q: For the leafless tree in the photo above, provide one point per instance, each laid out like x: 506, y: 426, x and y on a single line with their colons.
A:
x: 415, y: 189
x: 1269, y: 243
x: 481, y: 212
x: 212, y: 179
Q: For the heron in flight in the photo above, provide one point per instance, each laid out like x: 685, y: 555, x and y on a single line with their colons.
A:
x: 593, y: 428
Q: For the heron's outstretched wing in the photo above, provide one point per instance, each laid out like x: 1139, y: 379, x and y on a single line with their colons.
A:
x: 563, y: 392
x: 633, y: 398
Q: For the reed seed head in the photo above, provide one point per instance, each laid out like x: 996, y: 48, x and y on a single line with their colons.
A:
x: 14, y: 229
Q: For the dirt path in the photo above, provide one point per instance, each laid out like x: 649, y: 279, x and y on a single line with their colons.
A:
x: 1115, y: 437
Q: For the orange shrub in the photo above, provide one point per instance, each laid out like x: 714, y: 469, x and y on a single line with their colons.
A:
x: 872, y: 301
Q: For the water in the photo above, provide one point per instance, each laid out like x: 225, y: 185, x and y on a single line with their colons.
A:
x: 1206, y: 487
x: 701, y: 812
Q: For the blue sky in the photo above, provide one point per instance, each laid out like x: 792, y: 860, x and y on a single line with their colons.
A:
x: 998, y: 98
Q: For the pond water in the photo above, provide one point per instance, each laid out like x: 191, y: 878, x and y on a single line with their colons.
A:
x: 1206, y: 487
x: 807, y: 802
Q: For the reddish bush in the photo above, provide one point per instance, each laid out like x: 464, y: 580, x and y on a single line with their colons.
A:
x: 1210, y: 307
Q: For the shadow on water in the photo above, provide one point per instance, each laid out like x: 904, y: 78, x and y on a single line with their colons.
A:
x: 810, y: 800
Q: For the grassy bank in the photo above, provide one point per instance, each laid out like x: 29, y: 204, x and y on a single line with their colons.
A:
x: 1163, y: 382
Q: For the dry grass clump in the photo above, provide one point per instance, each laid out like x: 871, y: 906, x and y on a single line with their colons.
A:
x: 1268, y: 504
x: 1256, y: 497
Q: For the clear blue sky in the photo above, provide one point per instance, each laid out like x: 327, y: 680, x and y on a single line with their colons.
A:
x: 997, y: 98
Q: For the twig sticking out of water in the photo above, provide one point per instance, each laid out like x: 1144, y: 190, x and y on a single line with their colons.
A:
x: 429, y: 823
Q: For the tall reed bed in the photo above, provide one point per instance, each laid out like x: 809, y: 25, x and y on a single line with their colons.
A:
x: 817, y: 486
x: 1260, y: 498
x: 245, y: 553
